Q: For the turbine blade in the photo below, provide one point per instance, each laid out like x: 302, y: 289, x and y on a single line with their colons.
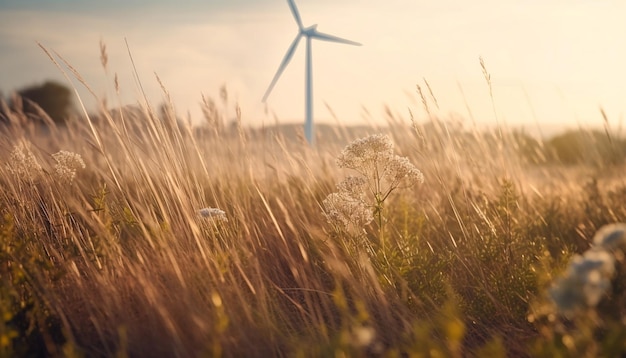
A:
x: 283, y: 65
x: 326, y: 37
x: 296, y: 14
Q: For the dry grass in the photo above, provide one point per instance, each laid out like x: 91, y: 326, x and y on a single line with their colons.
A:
x: 118, y: 261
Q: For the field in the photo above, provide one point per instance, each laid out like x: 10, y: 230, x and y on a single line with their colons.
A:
x: 128, y: 233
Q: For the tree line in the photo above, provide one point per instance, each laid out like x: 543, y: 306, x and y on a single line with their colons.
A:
x: 51, y: 97
x: 571, y: 147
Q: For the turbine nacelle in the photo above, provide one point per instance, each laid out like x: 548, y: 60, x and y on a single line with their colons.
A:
x: 309, y: 31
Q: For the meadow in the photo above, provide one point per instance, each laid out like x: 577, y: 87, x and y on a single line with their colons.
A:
x: 130, y: 233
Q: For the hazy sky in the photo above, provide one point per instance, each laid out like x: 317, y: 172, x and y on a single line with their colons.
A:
x: 552, y: 61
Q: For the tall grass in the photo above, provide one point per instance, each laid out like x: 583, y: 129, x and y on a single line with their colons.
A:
x: 119, y: 262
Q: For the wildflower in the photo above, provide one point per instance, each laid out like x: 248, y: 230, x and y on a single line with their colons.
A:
x: 363, y: 336
x: 373, y: 158
x: 353, y: 186
x: 67, y: 163
x: 587, y: 280
x: 380, y: 173
x: 213, y: 213
x: 345, y: 210
x: 593, y: 260
x: 23, y: 163
x: 611, y: 237
x: 365, y: 151
x: 588, y: 277
x: 400, y: 168
x: 567, y: 294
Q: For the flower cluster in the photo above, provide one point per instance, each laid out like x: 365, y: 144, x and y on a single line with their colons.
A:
x: 588, y: 277
x: 23, y: 163
x: 67, y: 164
x: 344, y: 209
x: 365, y: 152
x: 213, y: 214
x: 353, y: 186
x: 399, y: 169
x: 374, y: 159
x: 611, y: 237
x: 380, y: 172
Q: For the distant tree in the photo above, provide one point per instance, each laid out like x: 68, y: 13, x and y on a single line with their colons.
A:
x: 588, y: 147
x: 54, y: 98
x: 529, y: 148
x: 4, y: 118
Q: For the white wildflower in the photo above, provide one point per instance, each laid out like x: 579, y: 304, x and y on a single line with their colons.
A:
x: 23, y: 163
x: 353, y: 186
x: 611, y: 237
x: 363, y: 336
x: 595, y: 287
x: 345, y: 210
x: 374, y: 159
x: 213, y: 213
x: 380, y: 173
x: 400, y: 169
x: 593, y: 260
x: 365, y: 151
x: 568, y: 294
x: 67, y: 164
x: 586, y: 281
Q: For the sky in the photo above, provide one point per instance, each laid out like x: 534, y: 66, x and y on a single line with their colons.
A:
x: 553, y: 62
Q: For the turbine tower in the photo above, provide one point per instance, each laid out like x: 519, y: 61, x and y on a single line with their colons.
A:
x: 310, y: 33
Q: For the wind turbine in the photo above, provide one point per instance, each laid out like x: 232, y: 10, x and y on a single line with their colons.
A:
x: 310, y: 33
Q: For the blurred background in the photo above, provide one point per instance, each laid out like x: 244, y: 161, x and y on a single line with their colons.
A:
x: 553, y: 64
